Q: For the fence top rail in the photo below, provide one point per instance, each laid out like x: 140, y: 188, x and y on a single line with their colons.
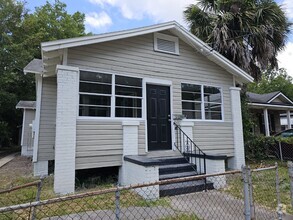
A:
x: 35, y: 183
x: 264, y: 169
x: 110, y: 190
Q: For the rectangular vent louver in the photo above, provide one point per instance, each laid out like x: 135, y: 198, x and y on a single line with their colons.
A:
x: 166, y: 45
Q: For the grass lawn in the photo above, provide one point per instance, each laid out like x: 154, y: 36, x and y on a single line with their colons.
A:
x: 264, y: 186
x: 19, y: 172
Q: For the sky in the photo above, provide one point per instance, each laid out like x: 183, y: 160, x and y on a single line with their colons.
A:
x: 113, y: 15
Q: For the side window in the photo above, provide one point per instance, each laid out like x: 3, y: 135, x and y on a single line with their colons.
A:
x: 201, y: 102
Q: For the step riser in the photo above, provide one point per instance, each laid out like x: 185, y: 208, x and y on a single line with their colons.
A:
x: 186, y: 190
x: 174, y: 177
x: 173, y: 161
x: 188, y: 168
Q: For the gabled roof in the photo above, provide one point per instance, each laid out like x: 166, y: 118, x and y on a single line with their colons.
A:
x: 26, y: 105
x: 53, y: 51
x: 260, y: 98
x: 274, y: 100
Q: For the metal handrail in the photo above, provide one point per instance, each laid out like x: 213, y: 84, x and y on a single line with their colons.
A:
x: 191, y: 152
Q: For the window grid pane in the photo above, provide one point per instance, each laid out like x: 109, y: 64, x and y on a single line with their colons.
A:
x: 192, y: 102
x: 128, y: 92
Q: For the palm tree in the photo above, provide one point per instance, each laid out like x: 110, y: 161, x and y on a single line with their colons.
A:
x: 248, y: 32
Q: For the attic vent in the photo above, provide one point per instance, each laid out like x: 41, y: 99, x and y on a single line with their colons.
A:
x: 166, y: 43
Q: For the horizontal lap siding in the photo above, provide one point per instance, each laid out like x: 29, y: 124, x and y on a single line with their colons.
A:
x: 135, y: 57
x: 141, y: 139
x: 98, y: 144
x: 214, y: 137
x: 47, y: 119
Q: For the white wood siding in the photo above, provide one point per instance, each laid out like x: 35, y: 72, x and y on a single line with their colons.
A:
x: 141, y: 139
x: 47, y: 120
x: 214, y: 137
x: 100, y: 143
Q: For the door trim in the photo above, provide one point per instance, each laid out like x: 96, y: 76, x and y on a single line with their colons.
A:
x: 162, y: 82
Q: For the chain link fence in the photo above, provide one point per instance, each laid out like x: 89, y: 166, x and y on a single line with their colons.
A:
x: 246, y: 194
x: 282, y: 151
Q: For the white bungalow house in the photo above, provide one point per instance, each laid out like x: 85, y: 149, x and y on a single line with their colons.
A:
x: 112, y: 100
x: 28, y: 117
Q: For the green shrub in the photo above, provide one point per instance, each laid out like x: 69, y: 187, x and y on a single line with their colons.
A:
x: 258, y: 147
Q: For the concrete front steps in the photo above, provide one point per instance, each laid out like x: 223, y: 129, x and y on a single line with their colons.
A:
x: 178, y: 167
x: 171, y: 165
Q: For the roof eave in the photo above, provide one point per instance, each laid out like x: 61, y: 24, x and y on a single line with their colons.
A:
x: 81, y: 41
x: 282, y: 107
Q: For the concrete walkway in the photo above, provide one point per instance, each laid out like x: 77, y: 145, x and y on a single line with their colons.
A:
x: 211, y: 205
x: 7, y: 159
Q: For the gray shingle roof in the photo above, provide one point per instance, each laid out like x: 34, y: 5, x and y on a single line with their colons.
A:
x: 260, y: 98
x: 35, y: 66
x: 26, y: 105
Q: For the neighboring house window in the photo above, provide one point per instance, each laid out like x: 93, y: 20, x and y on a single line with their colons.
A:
x: 201, y: 102
x: 166, y: 43
x: 96, y: 97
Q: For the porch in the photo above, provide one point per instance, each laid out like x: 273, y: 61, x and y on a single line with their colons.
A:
x: 266, y: 110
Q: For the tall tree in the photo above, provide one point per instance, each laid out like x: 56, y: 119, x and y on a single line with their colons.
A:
x: 22, y: 34
x: 272, y: 81
x: 248, y: 32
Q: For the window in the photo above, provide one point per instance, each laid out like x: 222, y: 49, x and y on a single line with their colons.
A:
x: 201, y: 102
x: 166, y: 43
x: 128, y: 94
x: 95, y: 95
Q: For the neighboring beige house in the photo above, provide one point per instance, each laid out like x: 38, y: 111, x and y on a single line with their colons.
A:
x: 270, y: 111
x: 27, y: 138
x: 112, y: 100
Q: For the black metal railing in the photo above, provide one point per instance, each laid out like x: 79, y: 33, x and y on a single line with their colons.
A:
x: 191, y: 152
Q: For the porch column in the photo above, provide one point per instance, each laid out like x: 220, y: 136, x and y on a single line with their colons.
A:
x: 65, y: 142
x: 130, y: 147
x: 266, y: 120
x: 238, y: 159
x: 288, y: 119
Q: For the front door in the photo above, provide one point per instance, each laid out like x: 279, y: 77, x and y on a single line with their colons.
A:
x: 158, y: 117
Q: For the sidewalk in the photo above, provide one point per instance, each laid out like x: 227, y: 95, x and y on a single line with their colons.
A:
x: 7, y: 159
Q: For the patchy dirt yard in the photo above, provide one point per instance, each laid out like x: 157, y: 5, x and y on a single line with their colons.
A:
x: 16, y: 172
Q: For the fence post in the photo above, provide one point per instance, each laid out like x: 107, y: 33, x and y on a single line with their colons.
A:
x: 290, y: 171
x: 117, y: 203
x: 252, y: 210
x: 279, y: 212
x: 246, y: 193
x: 38, y: 195
x: 280, y: 150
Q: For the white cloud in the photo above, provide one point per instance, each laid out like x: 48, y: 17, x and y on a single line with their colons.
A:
x: 102, y: 2
x: 286, y: 57
x: 288, y: 6
x: 97, y: 20
x: 157, y: 10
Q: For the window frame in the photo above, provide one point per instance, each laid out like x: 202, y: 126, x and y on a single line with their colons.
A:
x: 168, y: 38
x: 112, y: 97
x: 203, y: 117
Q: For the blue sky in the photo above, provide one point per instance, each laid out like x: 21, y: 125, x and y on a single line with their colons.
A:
x: 114, y: 15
